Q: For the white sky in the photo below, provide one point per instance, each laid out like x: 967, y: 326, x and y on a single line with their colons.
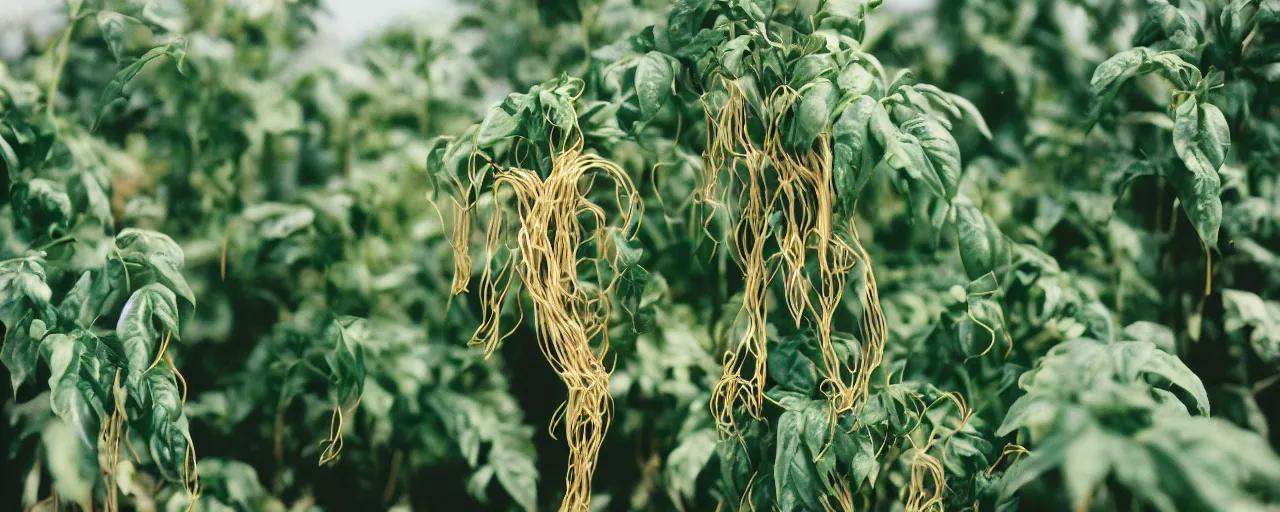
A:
x: 348, y: 21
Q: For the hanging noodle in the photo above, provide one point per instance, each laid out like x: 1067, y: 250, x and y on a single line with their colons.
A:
x: 568, y: 314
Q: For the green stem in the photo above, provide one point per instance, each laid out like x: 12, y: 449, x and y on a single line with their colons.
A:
x: 73, y: 10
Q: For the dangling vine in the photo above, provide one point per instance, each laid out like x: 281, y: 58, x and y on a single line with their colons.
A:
x: 556, y: 226
x: 798, y: 195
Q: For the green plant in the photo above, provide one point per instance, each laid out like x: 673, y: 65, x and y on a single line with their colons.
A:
x: 663, y: 242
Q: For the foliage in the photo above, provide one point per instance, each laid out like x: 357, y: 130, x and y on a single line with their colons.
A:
x: 792, y: 255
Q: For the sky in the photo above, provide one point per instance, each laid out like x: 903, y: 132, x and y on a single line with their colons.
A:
x: 347, y: 22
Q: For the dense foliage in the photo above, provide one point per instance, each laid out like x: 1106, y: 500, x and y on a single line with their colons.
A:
x: 709, y: 254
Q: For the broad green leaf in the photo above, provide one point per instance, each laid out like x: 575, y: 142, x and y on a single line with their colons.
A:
x: 794, y: 476
x: 88, y: 198
x: 9, y: 157
x: 497, y: 125
x: 516, y: 471
x: 64, y: 355
x: 684, y: 21
x: 148, y: 317
x: 560, y: 109
x: 983, y: 247
x: 853, y: 158
x: 1246, y: 311
x: 1031, y: 411
x: 705, y: 41
x: 655, y: 82
x: 159, y: 253
x: 982, y: 328
x: 74, y: 470
x: 790, y: 368
x: 1201, y: 137
x: 1134, y: 357
x: 277, y: 221
x: 1159, y: 335
x: 24, y: 302
x: 813, y: 113
x: 40, y: 206
x: 731, y: 54
x: 1114, y: 72
x: 686, y: 462
x: 1086, y: 463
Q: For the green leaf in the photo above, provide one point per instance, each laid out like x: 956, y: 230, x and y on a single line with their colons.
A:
x: 794, y: 475
x: 176, y: 50
x: 89, y: 198
x: 1247, y: 312
x: 1086, y: 463
x: 982, y: 328
x: 983, y: 247
x: 517, y: 472
x: 731, y: 53
x: 561, y: 109
x: 9, y: 157
x: 790, y: 367
x: 1201, y: 137
x: 1114, y: 72
x: 813, y: 113
x: 150, y: 314
x: 701, y: 43
x: 158, y: 253
x: 1142, y: 357
x: 686, y: 462
x: 40, y: 206
x: 684, y: 21
x: 1032, y: 411
x: 497, y: 125
x: 24, y: 301
x: 1159, y: 335
x: 655, y: 82
x: 941, y: 150
x: 346, y: 362
x: 64, y: 355
x: 853, y: 159
x: 74, y: 309
x: 115, y: 31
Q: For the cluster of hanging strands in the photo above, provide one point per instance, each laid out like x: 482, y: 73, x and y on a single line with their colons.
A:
x: 115, y: 429
x: 928, y: 474
x: 568, y: 314
x: 774, y: 183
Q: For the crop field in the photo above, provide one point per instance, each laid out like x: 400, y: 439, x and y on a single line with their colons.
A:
x: 642, y: 255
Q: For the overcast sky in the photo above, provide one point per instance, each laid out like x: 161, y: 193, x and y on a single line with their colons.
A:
x: 347, y: 21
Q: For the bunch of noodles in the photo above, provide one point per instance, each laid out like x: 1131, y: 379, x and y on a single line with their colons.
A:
x: 555, y: 222
x: 772, y: 182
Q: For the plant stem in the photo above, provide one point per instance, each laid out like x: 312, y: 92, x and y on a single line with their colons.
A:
x: 73, y: 11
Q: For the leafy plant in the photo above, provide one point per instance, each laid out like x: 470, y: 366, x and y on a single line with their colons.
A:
x: 791, y: 255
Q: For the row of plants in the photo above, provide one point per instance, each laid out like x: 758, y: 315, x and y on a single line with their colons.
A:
x: 746, y: 254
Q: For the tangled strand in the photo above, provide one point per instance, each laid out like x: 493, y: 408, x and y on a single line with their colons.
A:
x: 568, y: 314
x: 800, y: 193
